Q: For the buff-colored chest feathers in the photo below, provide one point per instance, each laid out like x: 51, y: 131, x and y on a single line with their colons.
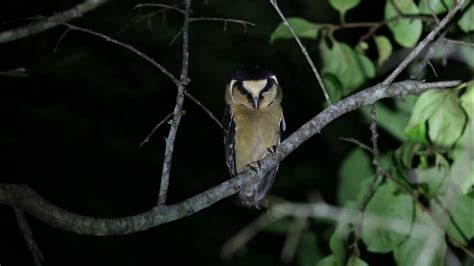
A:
x: 256, y: 131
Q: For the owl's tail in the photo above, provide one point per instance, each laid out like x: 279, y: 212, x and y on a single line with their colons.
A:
x: 253, y: 195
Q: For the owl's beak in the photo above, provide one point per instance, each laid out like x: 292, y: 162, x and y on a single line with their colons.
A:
x: 255, y: 102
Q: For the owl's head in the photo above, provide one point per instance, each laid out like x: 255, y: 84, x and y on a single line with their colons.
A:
x: 256, y: 88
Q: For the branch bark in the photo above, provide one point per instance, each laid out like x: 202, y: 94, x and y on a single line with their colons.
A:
x: 27, y: 199
x: 428, y: 39
x: 50, y: 22
x: 178, y: 110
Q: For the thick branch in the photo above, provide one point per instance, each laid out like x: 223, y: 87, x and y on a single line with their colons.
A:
x: 50, y: 22
x: 28, y: 200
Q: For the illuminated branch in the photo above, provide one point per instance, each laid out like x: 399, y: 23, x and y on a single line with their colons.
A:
x: 50, y: 22
x: 25, y: 198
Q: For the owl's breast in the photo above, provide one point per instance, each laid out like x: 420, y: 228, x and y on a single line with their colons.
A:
x: 256, y: 132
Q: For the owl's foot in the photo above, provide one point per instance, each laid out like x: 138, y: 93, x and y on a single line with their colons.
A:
x: 255, y: 166
x: 272, y: 150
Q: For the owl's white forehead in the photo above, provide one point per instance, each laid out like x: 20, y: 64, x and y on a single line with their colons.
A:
x: 254, y: 86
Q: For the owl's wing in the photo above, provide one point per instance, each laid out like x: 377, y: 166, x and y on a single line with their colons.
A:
x: 229, y: 140
x: 281, y: 127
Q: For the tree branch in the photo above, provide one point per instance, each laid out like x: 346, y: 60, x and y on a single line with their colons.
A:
x: 128, y: 47
x: 244, y: 23
x: 161, y: 6
x: 155, y: 128
x: 303, y: 50
x: 204, y: 108
x: 428, y: 39
x: 50, y: 22
x: 28, y: 235
x: 177, y: 113
x: 23, y: 197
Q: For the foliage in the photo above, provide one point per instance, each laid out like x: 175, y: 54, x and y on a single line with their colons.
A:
x: 432, y: 166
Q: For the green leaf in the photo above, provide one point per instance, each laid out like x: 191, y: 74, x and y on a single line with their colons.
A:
x: 462, y: 168
x: 417, y: 133
x: 354, y: 261
x: 466, y: 52
x: 308, y: 249
x: 302, y: 28
x: 404, y: 155
x: 350, y: 67
x: 438, y: 6
x: 466, y: 23
x: 333, y: 86
x: 434, y: 178
x: 343, y: 6
x: 327, y: 261
x: 444, y: 115
x: 361, y: 47
x: 467, y: 100
x: 355, y: 168
x: 445, y: 126
x: 426, y: 105
x: 384, y: 48
x: 407, y: 254
x: 386, y: 203
x: 406, y: 31
x: 461, y: 209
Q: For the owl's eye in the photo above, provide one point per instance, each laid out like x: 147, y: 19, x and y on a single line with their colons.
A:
x: 267, y: 87
x: 266, y: 90
x: 239, y: 86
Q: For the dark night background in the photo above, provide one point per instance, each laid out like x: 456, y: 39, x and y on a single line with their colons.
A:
x: 71, y: 130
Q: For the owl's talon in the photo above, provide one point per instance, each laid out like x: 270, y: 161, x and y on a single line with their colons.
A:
x: 272, y: 150
x: 255, y: 166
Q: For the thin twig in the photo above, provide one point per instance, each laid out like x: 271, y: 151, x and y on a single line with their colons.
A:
x: 303, y: 50
x: 373, y: 183
x: 244, y: 23
x: 374, y: 137
x: 128, y: 47
x: 459, y: 42
x: 238, y: 241
x: 292, y: 239
x: 365, y: 200
x: 176, y: 37
x: 60, y: 39
x: 50, y: 22
x: 28, y: 235
x: 358, y: 143
x: 177, y: 113
x: 428, y: 55
x: 154, y: 129
x: 414, y: 197
x: 182, y: 11
x: 203, y: 107
x: 428, y: 39
x: 375, y: 26
x: 451, y: 219
x: 17, y: 73
x: 432, y: 12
